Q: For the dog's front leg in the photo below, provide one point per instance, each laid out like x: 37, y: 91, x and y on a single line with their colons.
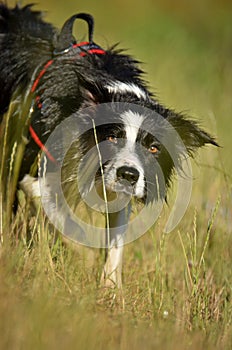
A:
x: 112, y: 273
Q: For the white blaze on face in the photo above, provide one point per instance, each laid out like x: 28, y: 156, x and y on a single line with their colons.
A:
x: 132, y: 122
x: 127, y: 156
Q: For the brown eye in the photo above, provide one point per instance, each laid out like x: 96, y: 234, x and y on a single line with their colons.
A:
x: 112, y: 138
x: 153, y: 149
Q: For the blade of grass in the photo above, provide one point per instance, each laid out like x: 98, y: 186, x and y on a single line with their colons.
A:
x: 186, y: 259
x: 209, y: 228
x: 15, y: 129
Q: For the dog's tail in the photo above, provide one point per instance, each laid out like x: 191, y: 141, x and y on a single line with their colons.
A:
x: 26, y: 42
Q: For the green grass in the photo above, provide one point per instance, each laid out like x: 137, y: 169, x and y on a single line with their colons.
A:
x: 177, y: 287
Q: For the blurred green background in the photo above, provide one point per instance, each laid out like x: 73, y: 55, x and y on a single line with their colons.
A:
x: 48, y: 300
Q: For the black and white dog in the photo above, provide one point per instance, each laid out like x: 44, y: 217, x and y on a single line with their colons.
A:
x: 125, y: 143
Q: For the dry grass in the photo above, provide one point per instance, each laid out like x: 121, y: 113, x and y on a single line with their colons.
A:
x: 173, y: 288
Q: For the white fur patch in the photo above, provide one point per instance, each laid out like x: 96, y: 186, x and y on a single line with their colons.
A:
x: 123, y: 88
x: 132, y: 122
x: 30, y: 186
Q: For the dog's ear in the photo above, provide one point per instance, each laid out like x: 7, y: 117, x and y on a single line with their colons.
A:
x: 190, y: 133
x: 89, y: 100
x: 89, y: 97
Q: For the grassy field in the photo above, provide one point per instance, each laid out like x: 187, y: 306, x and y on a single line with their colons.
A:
x: 177, y: 287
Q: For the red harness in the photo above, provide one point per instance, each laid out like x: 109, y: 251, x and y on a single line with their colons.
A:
x: 84, y: 49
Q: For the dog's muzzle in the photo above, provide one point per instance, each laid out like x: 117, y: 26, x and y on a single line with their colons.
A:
x: 126, y: 180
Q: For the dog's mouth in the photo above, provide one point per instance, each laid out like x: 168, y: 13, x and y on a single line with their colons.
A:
x: 110, y: 183
x: 112, y: 191
x: 125, y: 181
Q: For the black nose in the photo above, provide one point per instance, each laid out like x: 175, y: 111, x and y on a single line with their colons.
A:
x: 128, y: 173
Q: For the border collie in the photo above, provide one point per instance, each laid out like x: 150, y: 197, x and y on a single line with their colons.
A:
x: 120, y: 143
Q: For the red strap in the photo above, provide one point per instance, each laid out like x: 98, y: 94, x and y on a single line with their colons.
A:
x: 94, y: 50
x: 83, y: 43
x: 40, y: 144
x: 32, y: 131
x: 36, y: 82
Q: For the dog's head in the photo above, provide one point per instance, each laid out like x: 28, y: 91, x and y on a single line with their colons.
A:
x: 130, y: 149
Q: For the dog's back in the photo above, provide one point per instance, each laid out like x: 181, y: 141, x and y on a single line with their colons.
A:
x: 26, y: 41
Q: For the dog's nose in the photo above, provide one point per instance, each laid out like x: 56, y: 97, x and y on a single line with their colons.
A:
x: 128, y: 173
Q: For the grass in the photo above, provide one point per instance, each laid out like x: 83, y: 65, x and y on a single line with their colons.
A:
x: 176, y: 287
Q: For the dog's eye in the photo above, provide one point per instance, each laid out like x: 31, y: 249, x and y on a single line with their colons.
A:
x: 112, y: 138
x: 153, y: 149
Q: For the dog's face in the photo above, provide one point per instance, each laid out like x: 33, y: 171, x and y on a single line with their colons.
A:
x: 117, y: 153
x: 126, y: 153
x: 131, y: 150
